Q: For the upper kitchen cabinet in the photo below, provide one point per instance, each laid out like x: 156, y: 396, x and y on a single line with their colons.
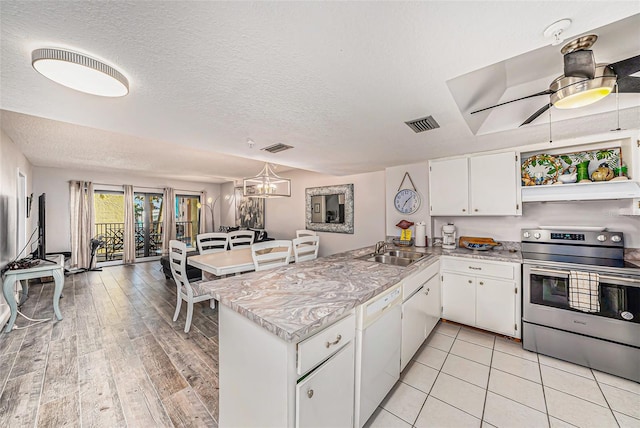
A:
x: 482, y: 185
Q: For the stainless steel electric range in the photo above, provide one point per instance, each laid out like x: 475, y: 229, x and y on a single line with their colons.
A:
x: 581, y: 299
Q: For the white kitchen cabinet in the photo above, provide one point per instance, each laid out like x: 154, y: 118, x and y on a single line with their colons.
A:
x: 495, y: 308
x: 449, y: 186
x: 459, y: 298
x: 483, y: 294
x: 494, y: 184
x: 325, y: 397
x: 484, y: 184
x: 421, y: 310
x: 266, y: 381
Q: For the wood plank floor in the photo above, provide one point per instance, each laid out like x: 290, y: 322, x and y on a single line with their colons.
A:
x: 116, y: 359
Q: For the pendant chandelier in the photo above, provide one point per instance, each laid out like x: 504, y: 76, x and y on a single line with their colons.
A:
x: 267, y: 184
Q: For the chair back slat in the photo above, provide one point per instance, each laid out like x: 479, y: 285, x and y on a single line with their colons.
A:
x: 306, y: 248
x: 304, y: 232
x: 239, y: 238
x: 271, y: 254
x: 212, y: 242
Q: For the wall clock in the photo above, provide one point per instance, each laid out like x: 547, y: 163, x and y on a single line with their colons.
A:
x: 407, y: 201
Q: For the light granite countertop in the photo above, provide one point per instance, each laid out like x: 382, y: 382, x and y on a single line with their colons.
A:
x: 294, y: 301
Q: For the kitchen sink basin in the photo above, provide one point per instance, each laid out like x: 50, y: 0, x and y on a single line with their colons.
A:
x: 412, y: 255
x: 394, y: 257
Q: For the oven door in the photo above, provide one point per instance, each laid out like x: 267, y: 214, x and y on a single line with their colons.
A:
x: 546, y: 303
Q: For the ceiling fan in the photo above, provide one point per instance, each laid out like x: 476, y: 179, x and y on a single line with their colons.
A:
x: 584, y: 81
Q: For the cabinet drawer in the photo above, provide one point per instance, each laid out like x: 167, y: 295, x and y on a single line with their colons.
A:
x: 479, y: 268
x: 413, y: 282
x: 318, y: 347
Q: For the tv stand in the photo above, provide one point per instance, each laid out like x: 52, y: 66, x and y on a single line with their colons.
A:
x: 55, y: 269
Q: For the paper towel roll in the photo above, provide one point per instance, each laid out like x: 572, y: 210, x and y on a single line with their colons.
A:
x: 421, y: 232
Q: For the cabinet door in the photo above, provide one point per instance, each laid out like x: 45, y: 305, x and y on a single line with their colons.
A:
x: 325, y: 397
x: 496, y: 305
x: 433, y: 306
x: 414, y: 325
x: 459, y: 298
x: 494, y: 184
x: 449, y: 187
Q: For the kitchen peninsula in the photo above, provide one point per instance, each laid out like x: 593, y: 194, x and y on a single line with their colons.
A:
x: 283, y: 327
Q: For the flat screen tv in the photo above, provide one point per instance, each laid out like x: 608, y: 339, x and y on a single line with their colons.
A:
x: 41, y: 251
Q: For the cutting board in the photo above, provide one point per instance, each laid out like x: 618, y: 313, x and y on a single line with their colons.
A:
x: 475, y: 241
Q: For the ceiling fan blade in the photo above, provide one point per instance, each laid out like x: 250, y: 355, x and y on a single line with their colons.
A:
x: 546, y: 92
x: 626, y: 67
x: 535, y: 115
x: 629, y: 85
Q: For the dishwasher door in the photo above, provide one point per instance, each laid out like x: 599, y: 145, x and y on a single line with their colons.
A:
x: 377, y: 358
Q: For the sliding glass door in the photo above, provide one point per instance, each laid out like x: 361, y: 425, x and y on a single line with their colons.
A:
x: 109, y: 215
x: 148, y: 224
x: 187, y: 219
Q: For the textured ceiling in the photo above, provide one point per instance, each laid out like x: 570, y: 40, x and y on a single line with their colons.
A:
x: 336, y: 80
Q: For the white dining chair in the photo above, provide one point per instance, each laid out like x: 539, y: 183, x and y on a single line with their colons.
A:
x: 239, y: 238
x: 271, y: 254
x: 306, y: 248
x: 212, y: 242
x: 304, y: 232
x: 190, y: 292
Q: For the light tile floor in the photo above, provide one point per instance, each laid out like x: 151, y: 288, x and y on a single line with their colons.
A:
x: 466, y: 378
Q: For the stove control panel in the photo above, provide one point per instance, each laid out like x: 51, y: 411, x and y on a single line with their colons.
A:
x: 574, y: 237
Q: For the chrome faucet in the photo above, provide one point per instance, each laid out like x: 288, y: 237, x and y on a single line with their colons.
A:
x: 381, y: 246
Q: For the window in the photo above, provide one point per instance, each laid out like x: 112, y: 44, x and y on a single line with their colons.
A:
x: 187, y: 218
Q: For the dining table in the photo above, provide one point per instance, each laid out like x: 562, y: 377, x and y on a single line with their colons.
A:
x: 228, y: 262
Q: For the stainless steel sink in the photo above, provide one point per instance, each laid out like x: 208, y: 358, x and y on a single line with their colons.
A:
x: 405, y: 254
x: 394, y: 257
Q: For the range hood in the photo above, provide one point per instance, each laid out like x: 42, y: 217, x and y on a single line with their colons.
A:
x: 582, y: 191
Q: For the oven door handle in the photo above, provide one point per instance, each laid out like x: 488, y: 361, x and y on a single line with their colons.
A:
x: 603, y: 278
x: 550, y: 271
x: 618, y: 280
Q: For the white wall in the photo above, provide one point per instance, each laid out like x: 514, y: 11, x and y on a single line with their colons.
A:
x: 55, y: 183
x: 419, y: 173
x: 535, y: 214
x: 11, y: 161
x: 283, y: 216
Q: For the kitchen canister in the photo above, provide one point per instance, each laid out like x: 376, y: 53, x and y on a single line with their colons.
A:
x: 421, y: 234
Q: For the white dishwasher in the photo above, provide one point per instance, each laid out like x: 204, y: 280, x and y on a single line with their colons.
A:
x: 378, y: 335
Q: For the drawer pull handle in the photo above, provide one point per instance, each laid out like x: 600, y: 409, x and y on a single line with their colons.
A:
x: 470, y: 281
x: 427, y: 293
x: 475, y: 268
x: 335, y: 342
x: 310, y: 393
x: 481, y: 283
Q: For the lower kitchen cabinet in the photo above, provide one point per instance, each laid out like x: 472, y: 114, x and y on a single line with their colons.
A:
x: 421, y: 309
x: 487, y: 298
x: 325, y: 397
x: 266, y: 381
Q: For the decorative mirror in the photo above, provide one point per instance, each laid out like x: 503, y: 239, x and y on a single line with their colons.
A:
x: 330, y: 208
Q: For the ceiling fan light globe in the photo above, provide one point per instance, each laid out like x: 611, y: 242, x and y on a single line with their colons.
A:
x: 575, y: 92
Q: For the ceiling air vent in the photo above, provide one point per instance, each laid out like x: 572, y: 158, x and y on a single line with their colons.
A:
x: 275, y: 148
x: 424, y: 124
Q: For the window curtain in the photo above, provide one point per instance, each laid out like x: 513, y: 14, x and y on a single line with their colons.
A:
x: 129, y: 253
x: 168, y: 218
x: 203, y: 213
x: 82, y: 223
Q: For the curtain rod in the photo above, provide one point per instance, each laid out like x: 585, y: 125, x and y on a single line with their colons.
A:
x: 148, y: 187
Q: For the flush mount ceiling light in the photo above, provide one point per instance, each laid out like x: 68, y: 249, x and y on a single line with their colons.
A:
x: 79, y: 72
x: 267, y: 184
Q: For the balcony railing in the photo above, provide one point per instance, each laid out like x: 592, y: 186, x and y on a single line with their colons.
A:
x: 148, y: 242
